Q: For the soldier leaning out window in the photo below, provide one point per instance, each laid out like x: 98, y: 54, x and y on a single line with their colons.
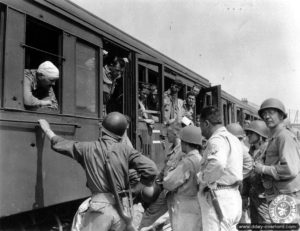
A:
x: 38, y: 86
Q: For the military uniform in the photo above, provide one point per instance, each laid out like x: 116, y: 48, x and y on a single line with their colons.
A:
x: 173, y: 108
x: 160, y: 206
x: 221, y: 170
x: 282, y: 160
x: 182, y: 183
x: 98, y: 212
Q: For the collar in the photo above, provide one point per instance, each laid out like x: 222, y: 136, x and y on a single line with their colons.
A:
x: 193, y: 152
x: 219, y: 130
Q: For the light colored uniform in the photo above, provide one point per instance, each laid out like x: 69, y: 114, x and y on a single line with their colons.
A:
x: 173, y: 108
x: 222, y: 169
x: 247, y: 161
x: 185, y: 210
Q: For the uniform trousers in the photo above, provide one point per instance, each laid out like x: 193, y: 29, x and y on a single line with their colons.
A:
x: 98, y: 213
x: 231, y: 205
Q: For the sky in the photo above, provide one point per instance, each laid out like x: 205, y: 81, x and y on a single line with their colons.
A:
x: 250, y: 47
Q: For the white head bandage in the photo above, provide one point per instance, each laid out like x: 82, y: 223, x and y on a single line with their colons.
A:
x: 49, y: 70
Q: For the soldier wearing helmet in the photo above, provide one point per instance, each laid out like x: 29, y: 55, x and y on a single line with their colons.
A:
x: 182, y: 183
x: 281, y: 166
x: 98, y: 212
x: 257, y: 133
x: 222, y: 168
x: 160, y: 206
x: 236, y: 130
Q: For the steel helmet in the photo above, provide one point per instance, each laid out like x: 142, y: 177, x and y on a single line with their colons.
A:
x: 192, y: 135
x: 114, y: 124
x: 149, y: 194
x: 272, y: 103
x: 258, y: 127
x: 236, y: 130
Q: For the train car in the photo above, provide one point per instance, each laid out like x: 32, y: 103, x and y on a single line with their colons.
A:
x: 237, y: 111
x: 41, y: 189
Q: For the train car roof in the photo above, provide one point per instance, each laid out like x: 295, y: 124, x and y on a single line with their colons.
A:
x: 98, y: 25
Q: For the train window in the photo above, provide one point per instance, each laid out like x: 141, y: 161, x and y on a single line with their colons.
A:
x: 116, y: 70
x: 42, y: 50
x: 149, y: 100
x: 86, y: 79
x: 2, y: 23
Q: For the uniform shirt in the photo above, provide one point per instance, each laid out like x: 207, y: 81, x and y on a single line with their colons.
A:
x: 222, y: 160
x: 283, y: 157
x: 32, y: 94
x: 183, y: 178
x: 122, y: 157
x: 173, y: 107
x: 188, y: 110
x: 247, y: 161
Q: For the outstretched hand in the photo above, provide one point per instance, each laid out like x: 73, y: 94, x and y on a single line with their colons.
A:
x: 44, y: 124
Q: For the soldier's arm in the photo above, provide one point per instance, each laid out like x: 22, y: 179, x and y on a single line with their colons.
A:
x: 178, y: 176
x: 66, y: 147
x: 144, y: 166
x: 289, y: 162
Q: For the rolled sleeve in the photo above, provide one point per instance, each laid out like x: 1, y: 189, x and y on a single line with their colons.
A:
x: 28, y: 97
x: 287, y: 166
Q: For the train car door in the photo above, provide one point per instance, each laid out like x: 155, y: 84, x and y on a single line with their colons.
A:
x: 209, y: 97
x: 149, y: 109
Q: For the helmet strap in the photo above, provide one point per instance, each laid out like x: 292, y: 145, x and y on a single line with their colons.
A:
x: 119, y: 138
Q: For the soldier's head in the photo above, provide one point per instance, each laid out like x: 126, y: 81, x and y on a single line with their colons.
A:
x: 173, y: 132
x: 190, y: 99
x: 210, y: 117
x: 272, y: 111
x: 191, y: 138
x: 47, y: 74
x: 115, y: 125
x: 196, y: 89
x: 117, y: 67
x: 176, y: 86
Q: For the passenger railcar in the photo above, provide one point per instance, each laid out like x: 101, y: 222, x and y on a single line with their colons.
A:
x: 41, y: 188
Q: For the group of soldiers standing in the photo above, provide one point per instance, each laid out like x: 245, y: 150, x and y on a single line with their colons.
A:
x: 201, y: 187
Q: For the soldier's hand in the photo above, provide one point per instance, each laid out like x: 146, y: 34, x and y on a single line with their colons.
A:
x: 44, y: 124
x: 258, y: 168
x: 45, y: 102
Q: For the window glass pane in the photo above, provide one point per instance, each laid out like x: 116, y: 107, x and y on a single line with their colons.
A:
x: 86, y: 84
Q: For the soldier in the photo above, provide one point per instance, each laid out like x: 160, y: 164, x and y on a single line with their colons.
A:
x: 236, y: 130
x: 99, y: 212
x: 182, y: 182
x: 160, y: 206
x: 220, y: 174
x: 281, y: 168
x: 38, y: 86
x: 173, y: 106
x: 257, y: 133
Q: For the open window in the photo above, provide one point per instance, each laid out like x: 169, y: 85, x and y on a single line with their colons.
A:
x: 149, y: 89
x: 117, y: 74
x: 209, y: 97
x: 42, y: 43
